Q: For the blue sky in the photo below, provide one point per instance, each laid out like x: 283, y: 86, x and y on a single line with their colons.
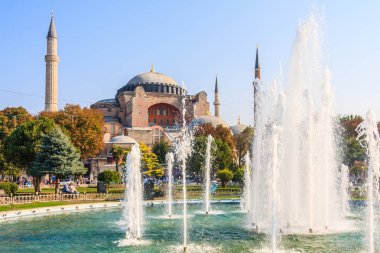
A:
x: 103, y: 44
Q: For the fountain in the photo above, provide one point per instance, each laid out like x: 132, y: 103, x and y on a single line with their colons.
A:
x: 207, y: 179
x: 169, y: 161
x: 295, y: 170
x: 343, y: 185
x: 369, y: 136
x: 133, y: 200
x: 245, y: 202
x: 182, y: 147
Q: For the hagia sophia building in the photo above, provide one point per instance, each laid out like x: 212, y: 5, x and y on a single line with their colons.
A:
x: 148, y: 108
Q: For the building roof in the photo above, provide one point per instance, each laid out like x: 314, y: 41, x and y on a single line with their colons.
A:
x: 122, y: 139
x: 208, y: 119
x: 148, y: 80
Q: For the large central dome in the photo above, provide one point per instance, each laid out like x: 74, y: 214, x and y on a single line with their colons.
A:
x: 151, y: 81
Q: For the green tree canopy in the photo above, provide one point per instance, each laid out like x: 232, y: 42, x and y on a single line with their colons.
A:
x: 239, y: 176
x: 108, y: 177
x: 161, y: 148
x: 196, y: 162
x: 225, y: 175
x: 57, y: 157
x: 23, y: 144
x: 10, y: 118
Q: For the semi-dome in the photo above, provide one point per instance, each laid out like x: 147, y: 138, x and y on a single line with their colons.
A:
x: 208, y: 119
x: 122, y: 139
x: 153, y: 82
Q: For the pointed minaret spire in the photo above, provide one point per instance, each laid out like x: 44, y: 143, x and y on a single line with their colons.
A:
x: 257, y: 64
x: 51, y: 59
x: 152, y: 68
x: 216, y: 100
x: 52, y: 32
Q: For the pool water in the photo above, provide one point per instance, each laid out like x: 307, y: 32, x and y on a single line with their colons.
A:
x: 98, y: 231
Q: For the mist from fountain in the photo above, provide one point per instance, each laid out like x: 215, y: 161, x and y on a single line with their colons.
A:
x: 343, y: 185
x: 306, y: 172
x: 133, y: 200
x: 369, y: 137
x: 207, y: 176
x: 169, y: 161
x: 245, y: 202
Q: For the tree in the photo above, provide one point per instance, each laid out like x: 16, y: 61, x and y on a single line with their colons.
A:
x: 161, y: 148
x: 58, y: 157
x: 243, y: 143
x: 23, y: 144
x: 353, y: 151
x: 239, y: 176
x: 150, y: 163
x: 108, y: 177
x: 10, y: 118
x: 349, y: 124
x: 83, y: 126
x: 196, y: 162
x: 225, y: 176
x: 119, y: 154
x: 223, y: 155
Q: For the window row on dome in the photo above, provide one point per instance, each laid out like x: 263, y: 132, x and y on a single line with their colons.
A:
x: 162, y: 88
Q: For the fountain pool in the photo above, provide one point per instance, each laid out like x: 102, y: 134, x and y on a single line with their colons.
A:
x: 97, y: 231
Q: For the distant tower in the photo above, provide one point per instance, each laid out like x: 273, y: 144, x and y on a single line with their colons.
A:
x: 257, y: 65
x: 256, y: 82
x: 51, y: 59
x: 216, y: 100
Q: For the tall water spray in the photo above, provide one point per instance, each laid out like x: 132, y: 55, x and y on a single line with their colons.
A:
x: 369, y: 136
x: 307, y: 171
x: 169, y: 161
x: 246, y: 196
x: 344, y: 182
x: 182, y: 147
x: 276, y: 131
x: 207, y: 194
x: 133, y: 199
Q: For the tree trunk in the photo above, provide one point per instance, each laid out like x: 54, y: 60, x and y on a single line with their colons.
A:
x: 37, y: 184
x: 56, y: 184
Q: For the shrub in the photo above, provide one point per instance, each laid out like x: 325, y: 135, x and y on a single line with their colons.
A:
x: 108, y: 177
x: 239, y: 176
x: 225, y: 176
x: 9, y: 187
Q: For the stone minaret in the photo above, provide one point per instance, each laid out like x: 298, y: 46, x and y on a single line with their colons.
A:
x: 51, y: 59
x: 216, y: 100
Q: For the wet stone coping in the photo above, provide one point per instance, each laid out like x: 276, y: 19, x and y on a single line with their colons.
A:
x: 41, y: 211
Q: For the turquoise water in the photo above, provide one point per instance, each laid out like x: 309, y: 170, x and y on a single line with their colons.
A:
x: 97, y: 231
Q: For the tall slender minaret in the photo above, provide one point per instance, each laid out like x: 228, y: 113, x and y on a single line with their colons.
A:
x: 51, y: 59
x: 216, y: 99
x: 257, y: 64
x: 256, y: 82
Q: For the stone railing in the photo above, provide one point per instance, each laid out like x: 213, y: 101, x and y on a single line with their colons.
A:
x: 29, y: 198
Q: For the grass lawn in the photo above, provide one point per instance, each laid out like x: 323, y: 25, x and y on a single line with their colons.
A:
x: 12, y: 207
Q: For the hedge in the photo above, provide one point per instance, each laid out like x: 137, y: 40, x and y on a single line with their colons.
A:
x: 9, y: 187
